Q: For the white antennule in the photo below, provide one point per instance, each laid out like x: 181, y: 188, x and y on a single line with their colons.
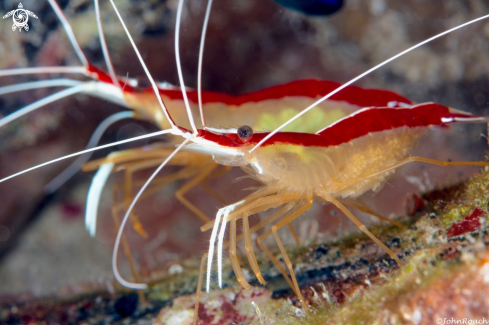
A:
x: 361, y: 76
x: 153, y: 83
x: 78, y: 163
x: 39, y: 84
x: 69, y: 32
x: 201, y: 58
x: 46, y: 100
x: 124, y: 221
x: 172, y: 131
x: 103, y: 43
x: 24, y: 71
x: 179, y: 66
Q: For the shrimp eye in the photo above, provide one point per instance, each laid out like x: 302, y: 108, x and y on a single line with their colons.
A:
x: 245, y: 132
x: 143, y: 82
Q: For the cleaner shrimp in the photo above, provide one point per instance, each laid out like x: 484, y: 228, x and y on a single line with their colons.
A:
x: 291, y: 167
x: 255, y: 109
x: 343, y: 160
x: 233, y: 221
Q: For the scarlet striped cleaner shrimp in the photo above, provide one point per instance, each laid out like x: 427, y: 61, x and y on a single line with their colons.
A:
x: 343, y: 160
x: 259, y: 110
x: 347, y: 69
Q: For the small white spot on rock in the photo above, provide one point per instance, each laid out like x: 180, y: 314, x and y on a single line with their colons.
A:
x: 417, y: 316
x: 175, y: 269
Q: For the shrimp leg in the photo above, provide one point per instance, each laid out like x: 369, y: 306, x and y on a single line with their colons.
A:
x: 257, y: 206
x: 194, y: 168
x: 274, y: 230
x: 360, y: 225
x: 232, y: 245
x: 130, y: 169
x: 233, y: 257
x: 409, y: 160
x: 362, y: 207
x: 232, y: 213
x: 201, y: 176
x: 214, y: 175
x: 299, y: 209
x: 160, y: 182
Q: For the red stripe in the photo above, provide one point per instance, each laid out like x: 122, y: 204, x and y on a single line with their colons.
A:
x: 380, y: 119
x: 311, y: 88
x: 351, y: 127
x: 102, y: 76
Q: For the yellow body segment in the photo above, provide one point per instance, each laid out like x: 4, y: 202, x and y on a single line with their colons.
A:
x: 260, y: 116
x: 341, y: 171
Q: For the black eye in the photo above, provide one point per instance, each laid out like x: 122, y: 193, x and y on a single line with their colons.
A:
x: 143, y: 82
x: 245, y: 132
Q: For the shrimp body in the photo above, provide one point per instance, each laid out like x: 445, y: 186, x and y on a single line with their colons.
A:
x: 341, y: 159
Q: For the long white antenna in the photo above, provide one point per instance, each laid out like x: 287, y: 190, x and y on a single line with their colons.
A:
x: 94, y: 139
x: 103, y: 43
x: 153, y: 83
x: 39, y: 70
x: 126, y: 217
x: 90, y: 150
x: 201, y: 58
x: 46, y: 100
x: 69, y: 32
x: 179, y: 66
x: 361, y: 76
x: 39, y: 84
